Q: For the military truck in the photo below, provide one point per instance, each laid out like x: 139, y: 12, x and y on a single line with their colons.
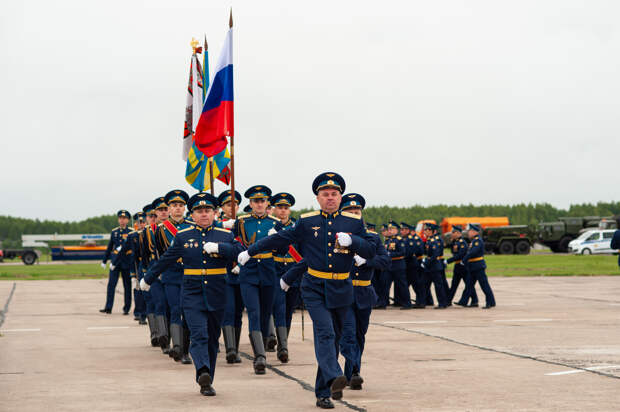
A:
x: 557, y: 235
x: 509, y: 240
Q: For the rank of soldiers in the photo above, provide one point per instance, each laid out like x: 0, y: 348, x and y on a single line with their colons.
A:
x: 193, y: 271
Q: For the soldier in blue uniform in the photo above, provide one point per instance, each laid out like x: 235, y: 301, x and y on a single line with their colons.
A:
x: 475, y: 264
x: 172, y: 277
x: 258, y: 277
x: 396, y: 249
x: 206, y: 252
x: 231, y: 325
x: 383, y: 284
x: 459, y: 249
x: 145, y: 256
x: 327, y: 239
x: 415, y: 254
x: 433, y: 263
x: 284, y: 302
x: 117, y: 237
x: 364, y: 297
x: 615, y: 240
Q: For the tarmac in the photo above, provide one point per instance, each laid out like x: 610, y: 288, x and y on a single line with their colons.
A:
x: 551, y: 344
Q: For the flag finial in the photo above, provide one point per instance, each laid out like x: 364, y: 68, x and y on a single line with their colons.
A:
x: 194, y: 43
x: 206, y: 46
x: 230, y: 20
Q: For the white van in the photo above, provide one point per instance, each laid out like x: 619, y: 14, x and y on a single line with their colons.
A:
x: 592, y: 241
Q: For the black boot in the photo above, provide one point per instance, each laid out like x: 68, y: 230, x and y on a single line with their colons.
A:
x: 356, y: 381
x: 338, y: 384
x: 281, y: 333
x: 260, y: 360
x: 185, y: 359
x: 229, y: 343
x: 324, y: 403
x: 150, y: 318
x: 237, y: 338
x: 205, y: 380
x: 176, y: 332
x: 271, y: 341
x: 162, y: 330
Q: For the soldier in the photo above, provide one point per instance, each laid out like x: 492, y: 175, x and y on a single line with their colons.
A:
x: 433, y: 263
x: 615, y: 240
x: 328, y: 240
x: 459, y: 249
x: 364, y: 297
x: 257, y: 279
x: 284, y: 301
x: 231, y: 325
x: 172, y: 278
x: 206, y: 252
x: 384, y: 281
x: 117, y: 237
x: 415, y: 274
x: 396, y: 250
x: 145, y: 255
x: 475, y: 264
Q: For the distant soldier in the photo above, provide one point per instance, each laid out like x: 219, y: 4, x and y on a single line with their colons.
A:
x: 396, y: 249
x: 151, y: 218
x: 206, y: 252
x: 474, y: 261
x: 615, y: 241
x: 433, y: 263
x: 328, y: 240
x: 459, y: 249
x: 415, y: 254
x: 383, y: 278
x: 117, y: 237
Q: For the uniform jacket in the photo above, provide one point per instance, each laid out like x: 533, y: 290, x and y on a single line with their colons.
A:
x: 117, y: 237
x: 282, y: 258
x: 459, y: 249
x: 130, y: 244
x: 365, y: 296
x: 396, y: 250
x: 434, y: 254
x: 474, y: 258
x: 163, y: 238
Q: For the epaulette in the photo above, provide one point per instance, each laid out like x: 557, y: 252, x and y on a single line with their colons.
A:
x: 352, y: 215
x: 243, y: 216
x: 399, y: 238
x: 186, y: 229
x: 370, y: 231
x: 274, y: 218
x: 221, y: 229
x: 132, y: 231
x: 310, y: 214
x: 159, y: 225
x: 117, y: 227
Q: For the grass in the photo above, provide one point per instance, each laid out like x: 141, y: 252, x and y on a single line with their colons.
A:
x: 52, y: 272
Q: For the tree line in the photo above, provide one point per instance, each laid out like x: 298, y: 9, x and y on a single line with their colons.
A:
x: 11, y: 228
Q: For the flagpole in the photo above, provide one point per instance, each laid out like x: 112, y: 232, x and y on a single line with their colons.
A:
x: 232, y: 153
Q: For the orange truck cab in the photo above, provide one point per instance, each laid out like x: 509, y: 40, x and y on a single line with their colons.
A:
x: 485, y: 222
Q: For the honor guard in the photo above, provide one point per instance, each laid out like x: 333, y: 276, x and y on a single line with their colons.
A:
x: 433, y: 263
x: 364, y: 297
x: 231, y: 325
x: 475, y: 264
x: 151, y: 218
x: 258, y: 277
x: 206, y: 251
x: 397, y: 251
x: 459, y: 249
x: 415, y: 253
x: 328, y: 240
x: 117, y: 238
x: 383, y: 281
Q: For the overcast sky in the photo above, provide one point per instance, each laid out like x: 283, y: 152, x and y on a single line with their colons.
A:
x: 413, y: 102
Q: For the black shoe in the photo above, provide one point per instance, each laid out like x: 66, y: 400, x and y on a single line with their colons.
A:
x: 473, y: 305
x: 260, y: 363
x: 440, y: 307
x: 185, y: 359
x: 136, y: 318
x: 237, y: 359
x: 142, y: 322
x: 406, y: 307
x: 356, y: 382
x: 204, y: 380
x: 324, y: 403
x: 460, y: 304
x: 337, y: 386
x: 108, y: 311
x: 125, y: 313
x: 231, y: 357
x: 487, y: 306
x: 271, y: 343
x: 418, y: 306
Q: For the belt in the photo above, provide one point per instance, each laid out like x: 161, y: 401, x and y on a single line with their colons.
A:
x: 115, y: 252
x: 129, y: 252
x: 398, y: 258
x: 420, y: 257
x: 439, y: 257
x: 283, y: 259
x: 263, y: 256
x: 457, y: 261
x: 213, y: 271
x: 328, y: 275
x: 478, y: 259
x: 361, y: 282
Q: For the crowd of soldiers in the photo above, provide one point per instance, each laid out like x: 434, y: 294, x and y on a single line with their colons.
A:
x: 194, y: 273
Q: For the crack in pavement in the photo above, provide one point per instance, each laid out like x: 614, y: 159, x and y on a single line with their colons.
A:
x: 4, y: 311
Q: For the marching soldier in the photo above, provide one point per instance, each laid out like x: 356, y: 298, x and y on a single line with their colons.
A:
x: 384, y: 282
x: 328, y: 240
x: 206, y: 252
x: 415, y: 273
x: 433, y: 263
x: 475, y: 264
x: 459, y: 249
x: 396, y: 250
x: 117, y: 237
x: 257, y: 278
x: 145, y: 255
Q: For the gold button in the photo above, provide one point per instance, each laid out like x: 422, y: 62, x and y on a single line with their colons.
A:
x: 329, y: 233
x: 330, y: 266
x: 205, y: 282
x: 259, y: 222
x: 258, y: 260
x: 203, y: 234
x: 329, y: 223
x: 357, y: 274
x: 329, y: 254
x: 329, y: 244
x: 204, y: 261
x: 258, y: 231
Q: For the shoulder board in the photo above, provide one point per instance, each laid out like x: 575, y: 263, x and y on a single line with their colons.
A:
x: 310, y: 214
x: 274, y: 218
x: 133, y: 231
x: 221, y: 229
x: 160, y: 225
x: 243, y: 216
x: 116, y: 228
x: 399, y: 238
x: 351, y: 215
x: 186, y: 229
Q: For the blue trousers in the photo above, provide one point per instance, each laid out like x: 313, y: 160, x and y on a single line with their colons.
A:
x: 292, y: 300
x: 234, y: 306
x: 401, y: 287
x: 438, y: 278
x: 150, y: 306
x: 139, y: 306
x: 112, y: 281
x: 258, y: 301
x: 384, y: 292
x: 173, y: 298
x: 158, y: 298
x: 279, y: 307
x: 479, y: 276
x: 461, y: 273
x: 354, y: 339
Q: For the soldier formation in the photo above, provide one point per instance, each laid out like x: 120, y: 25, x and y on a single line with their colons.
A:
x: 193, y: 274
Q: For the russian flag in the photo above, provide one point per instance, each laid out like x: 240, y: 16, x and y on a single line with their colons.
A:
x: 217, y: 118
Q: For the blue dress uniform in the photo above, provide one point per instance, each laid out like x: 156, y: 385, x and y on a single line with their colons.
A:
x: 475, y: 264
x: 204, y: 285
x: 117, y: 237
x: 172, y: 278
x: 257, y: 278
x: 145, y: 255
x: 380, y: 282
x: 326, y: 287
x: 415, y: 273
x: 434, y: 265
x: 459, y: 249
x: 231, y: 325
x: 396, y: 249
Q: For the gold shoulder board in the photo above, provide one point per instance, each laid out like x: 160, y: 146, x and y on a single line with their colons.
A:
x: 221, y: 229
x: 309, y: 214
x: 186, y: 229
x: 351, y: 215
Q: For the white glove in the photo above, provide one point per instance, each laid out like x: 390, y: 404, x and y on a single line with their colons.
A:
x: 271, y: 232
x: 344, y: 239
x: 211, y: 247
x: 445, y: 262
x: 144, y: 286
x: 283, y: 285
x: 359, y: 261
x: 243, y: 257
x: 228, y: 224
x: 118, y: 249
x: 134, y: 284
x: 112, y: 266
x: 103, y: 265
x: 236, y: 270
x: 461, y: 263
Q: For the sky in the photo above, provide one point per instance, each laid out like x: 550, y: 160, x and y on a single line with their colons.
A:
x: 412, y: 102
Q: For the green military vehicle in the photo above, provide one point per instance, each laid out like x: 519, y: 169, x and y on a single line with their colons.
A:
x: 508, y: 240
x: 557, y: 235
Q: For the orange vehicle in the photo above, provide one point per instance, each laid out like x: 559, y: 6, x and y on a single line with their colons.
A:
x: 419, y: 227
x: 447, y: 223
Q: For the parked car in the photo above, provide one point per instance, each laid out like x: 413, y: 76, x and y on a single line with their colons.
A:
x: 592, y: 241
